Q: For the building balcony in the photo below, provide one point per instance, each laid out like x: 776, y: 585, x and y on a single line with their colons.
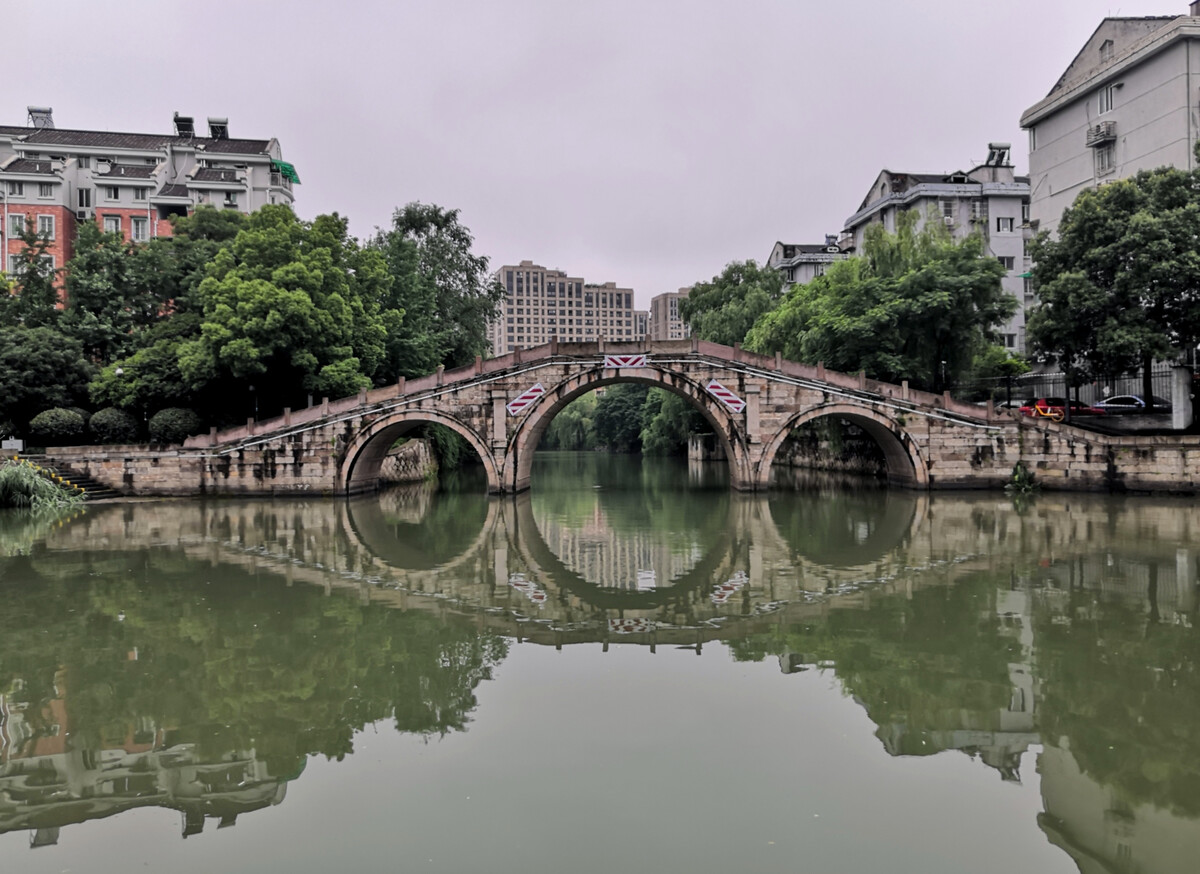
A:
x: 1099, y: 134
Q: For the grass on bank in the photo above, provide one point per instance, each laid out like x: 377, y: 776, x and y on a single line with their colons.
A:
x: 24, y: 485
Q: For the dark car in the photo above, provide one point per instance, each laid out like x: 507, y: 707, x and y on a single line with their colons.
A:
x: 1132, y: 404
x: 1056, y: 409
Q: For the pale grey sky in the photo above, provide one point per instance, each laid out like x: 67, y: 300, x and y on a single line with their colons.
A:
x: 648, y: 143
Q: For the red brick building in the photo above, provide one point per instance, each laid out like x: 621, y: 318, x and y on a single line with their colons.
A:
x: 134, y: 184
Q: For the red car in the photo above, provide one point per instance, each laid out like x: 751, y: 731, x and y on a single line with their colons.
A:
x: 1056, y: 409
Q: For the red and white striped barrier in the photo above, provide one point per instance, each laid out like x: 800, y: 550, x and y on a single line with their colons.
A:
x: 625, y: 360
x: 630, y: 626
x: 725, y: 396
x: 525, y: 398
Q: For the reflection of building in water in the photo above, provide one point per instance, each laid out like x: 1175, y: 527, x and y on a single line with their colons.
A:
x: 1101, y: 832
x: 45, y: 783
x: 632, y: 560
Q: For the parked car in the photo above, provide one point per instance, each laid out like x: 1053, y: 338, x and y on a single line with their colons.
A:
x: 1056, y: 409
x: 1132, y: 404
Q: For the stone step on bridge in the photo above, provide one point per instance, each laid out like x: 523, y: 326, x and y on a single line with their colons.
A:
x: 502, y: 406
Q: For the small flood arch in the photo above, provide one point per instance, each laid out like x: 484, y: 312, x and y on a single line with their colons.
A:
x: 518, y: 469
x: 905, y: 466
x: 359, y: 470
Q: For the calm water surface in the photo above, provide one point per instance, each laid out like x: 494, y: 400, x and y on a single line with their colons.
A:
x: 627, y: 669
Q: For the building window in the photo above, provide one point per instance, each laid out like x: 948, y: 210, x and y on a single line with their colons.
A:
x: 1107, y: 93
x: 139, y: 194
x: 85, y: 198
x: 1025, y: 213
x: 139, y: 229
x: 112, y: 192
x: 16, y: 189
x: 84, y: 162
x: 46, y: 226
x: 231, y: 199
x: 112, y: 224
x: 1008, y: 262
x: 1004, y: 225
x: 45, y: 189
x: 946, y: 208
x: 16, y: 224
x: 1033, y: 139
x: 1105, y: 159
x: 1106, y: 51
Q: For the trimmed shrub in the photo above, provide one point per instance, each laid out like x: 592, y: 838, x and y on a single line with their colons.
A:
x: 56, y: 427
x: 173, y: 425
x: 111, y: 425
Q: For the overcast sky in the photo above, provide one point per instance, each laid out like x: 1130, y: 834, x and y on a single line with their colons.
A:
x: 648, y: 143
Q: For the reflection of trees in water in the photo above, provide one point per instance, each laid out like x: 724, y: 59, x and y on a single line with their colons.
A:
x: 224, y: 661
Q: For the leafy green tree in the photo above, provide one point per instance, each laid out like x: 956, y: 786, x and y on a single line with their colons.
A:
x: 33, y: 300
x: 1120, y: 284
x: 917, y: 305
x: 440, y: 300
x: 109, y: 299
x: 40, y: 368
x: 288, y: 307
x: 724, y: 309
x: 618, y: 417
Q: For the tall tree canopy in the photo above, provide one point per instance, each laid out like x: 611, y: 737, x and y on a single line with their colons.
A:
x: 917, y: 305
x: 723, y: 309
x: 1120, y: 285
x: 289, y: 306
x: 440, y: 287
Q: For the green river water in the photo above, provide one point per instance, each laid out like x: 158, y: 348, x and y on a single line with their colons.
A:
x: 627, y: 668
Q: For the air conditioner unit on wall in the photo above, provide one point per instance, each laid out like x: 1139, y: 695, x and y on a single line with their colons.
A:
x: 82, y: 215
x: 948, y: 220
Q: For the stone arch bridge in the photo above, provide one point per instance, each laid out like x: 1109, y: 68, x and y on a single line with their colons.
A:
x: 502, y: 406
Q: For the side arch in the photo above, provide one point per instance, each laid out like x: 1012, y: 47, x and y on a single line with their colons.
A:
x: 518, y: 462
x: 359, y: 470
x: 905, y: 466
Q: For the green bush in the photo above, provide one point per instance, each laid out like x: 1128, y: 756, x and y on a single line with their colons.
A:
x: 111, y: 425
x: 173, y: 425
x: 56, y: 427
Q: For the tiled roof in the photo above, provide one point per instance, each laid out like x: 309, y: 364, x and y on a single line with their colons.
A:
x: 142, y: 142
x: 214, y: 174
x: 24, y: 165
x: 172, y: 191
x: 130, y: 171
x: 8, y: 130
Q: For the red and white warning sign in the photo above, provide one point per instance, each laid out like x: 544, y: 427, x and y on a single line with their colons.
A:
x: 625, y: 360
x: 725, y: 396
x: 525, y: 398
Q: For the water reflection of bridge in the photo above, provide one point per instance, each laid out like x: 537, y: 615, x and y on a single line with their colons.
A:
x: 774, y: 562
x: 776, y: 571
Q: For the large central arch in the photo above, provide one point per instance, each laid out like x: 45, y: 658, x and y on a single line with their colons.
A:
x: 518, y: 465
x: 905, y: 466
x: 359, y: 470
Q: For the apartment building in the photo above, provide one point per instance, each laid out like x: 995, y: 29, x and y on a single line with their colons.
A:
x: 989, y: 199
x: 133, y: 184
x: 800, y: 263
x: 665, y: 322
x: 1127, y: 102
x: 543, y: 304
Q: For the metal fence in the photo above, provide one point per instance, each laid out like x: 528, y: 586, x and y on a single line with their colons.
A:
x: 1047, y: 385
